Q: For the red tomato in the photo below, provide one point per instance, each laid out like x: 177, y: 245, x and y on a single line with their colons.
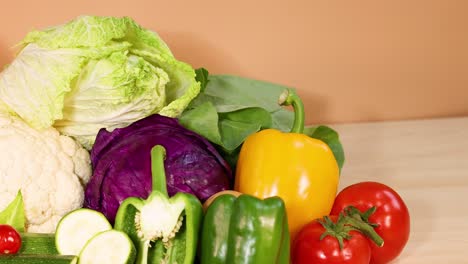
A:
x: 10, y: 240
x: 309, y: 248
x: 391, y: 215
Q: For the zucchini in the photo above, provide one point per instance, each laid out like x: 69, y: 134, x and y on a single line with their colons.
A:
x: 76, y: 228
x: 38, y: 259
x: 39, y: 244
x: 109, y: 247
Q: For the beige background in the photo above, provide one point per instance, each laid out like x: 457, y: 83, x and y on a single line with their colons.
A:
x: 350, y: 60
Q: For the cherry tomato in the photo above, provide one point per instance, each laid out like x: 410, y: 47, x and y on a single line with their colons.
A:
x: 309, y: 248
x: 391, y: 216
x: 10, y: 240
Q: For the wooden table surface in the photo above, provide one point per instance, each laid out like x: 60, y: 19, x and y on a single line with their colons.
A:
x: 426, y: 162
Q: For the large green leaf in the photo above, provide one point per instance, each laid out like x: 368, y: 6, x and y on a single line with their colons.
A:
x: 230, y: 93
x: 238, y: 125
x: 203, y: 120
x: 13, y: 214
x: 231, y: 108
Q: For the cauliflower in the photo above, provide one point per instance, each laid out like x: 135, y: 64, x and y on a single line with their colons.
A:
x: 50, y: 169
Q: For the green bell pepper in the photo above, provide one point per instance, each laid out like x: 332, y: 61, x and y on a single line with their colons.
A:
x: 163, y: 229
x: 245, y: 230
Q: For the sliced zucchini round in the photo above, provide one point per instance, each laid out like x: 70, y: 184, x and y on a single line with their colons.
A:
x: 108, y: 247
x: 76, y: 228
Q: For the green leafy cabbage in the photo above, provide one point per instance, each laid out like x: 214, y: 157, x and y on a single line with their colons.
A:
x: 230, y: 108
x: 92, y: 73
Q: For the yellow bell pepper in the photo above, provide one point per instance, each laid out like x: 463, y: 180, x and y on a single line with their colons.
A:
x: 301, y: 170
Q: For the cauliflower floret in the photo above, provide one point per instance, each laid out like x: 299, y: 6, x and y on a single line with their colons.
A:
x: 50, y: 169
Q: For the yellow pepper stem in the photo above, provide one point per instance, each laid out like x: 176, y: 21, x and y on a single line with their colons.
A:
x: 290, y: 97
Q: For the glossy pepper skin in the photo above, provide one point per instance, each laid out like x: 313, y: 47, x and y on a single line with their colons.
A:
x: 245, y: 230
x: 301, y: 170
x: 152, y: 248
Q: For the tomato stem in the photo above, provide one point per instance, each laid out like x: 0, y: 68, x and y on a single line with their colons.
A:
x: 339, y: 230
x: 360, y: 221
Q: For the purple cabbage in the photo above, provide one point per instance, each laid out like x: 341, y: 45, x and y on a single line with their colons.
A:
x: 122, y: 164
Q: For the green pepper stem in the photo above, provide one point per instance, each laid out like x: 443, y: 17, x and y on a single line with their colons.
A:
x: 290, y: 97
x: 158, y: 174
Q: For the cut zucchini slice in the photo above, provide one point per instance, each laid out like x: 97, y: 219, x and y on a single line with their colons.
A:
x: 76, y: 228
x: 108, y: 247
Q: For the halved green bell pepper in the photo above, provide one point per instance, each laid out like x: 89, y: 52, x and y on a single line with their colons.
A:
x: 245, y: 230
x: 163, y: 229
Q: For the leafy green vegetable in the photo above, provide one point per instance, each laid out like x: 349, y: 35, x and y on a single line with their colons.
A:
x: 202, y: 78
x: 92, y: 73
x: 238, y: 125
x: 203, y: 120
x: 13, y: 214
x: 228, y: 130
x: 230, y: 108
